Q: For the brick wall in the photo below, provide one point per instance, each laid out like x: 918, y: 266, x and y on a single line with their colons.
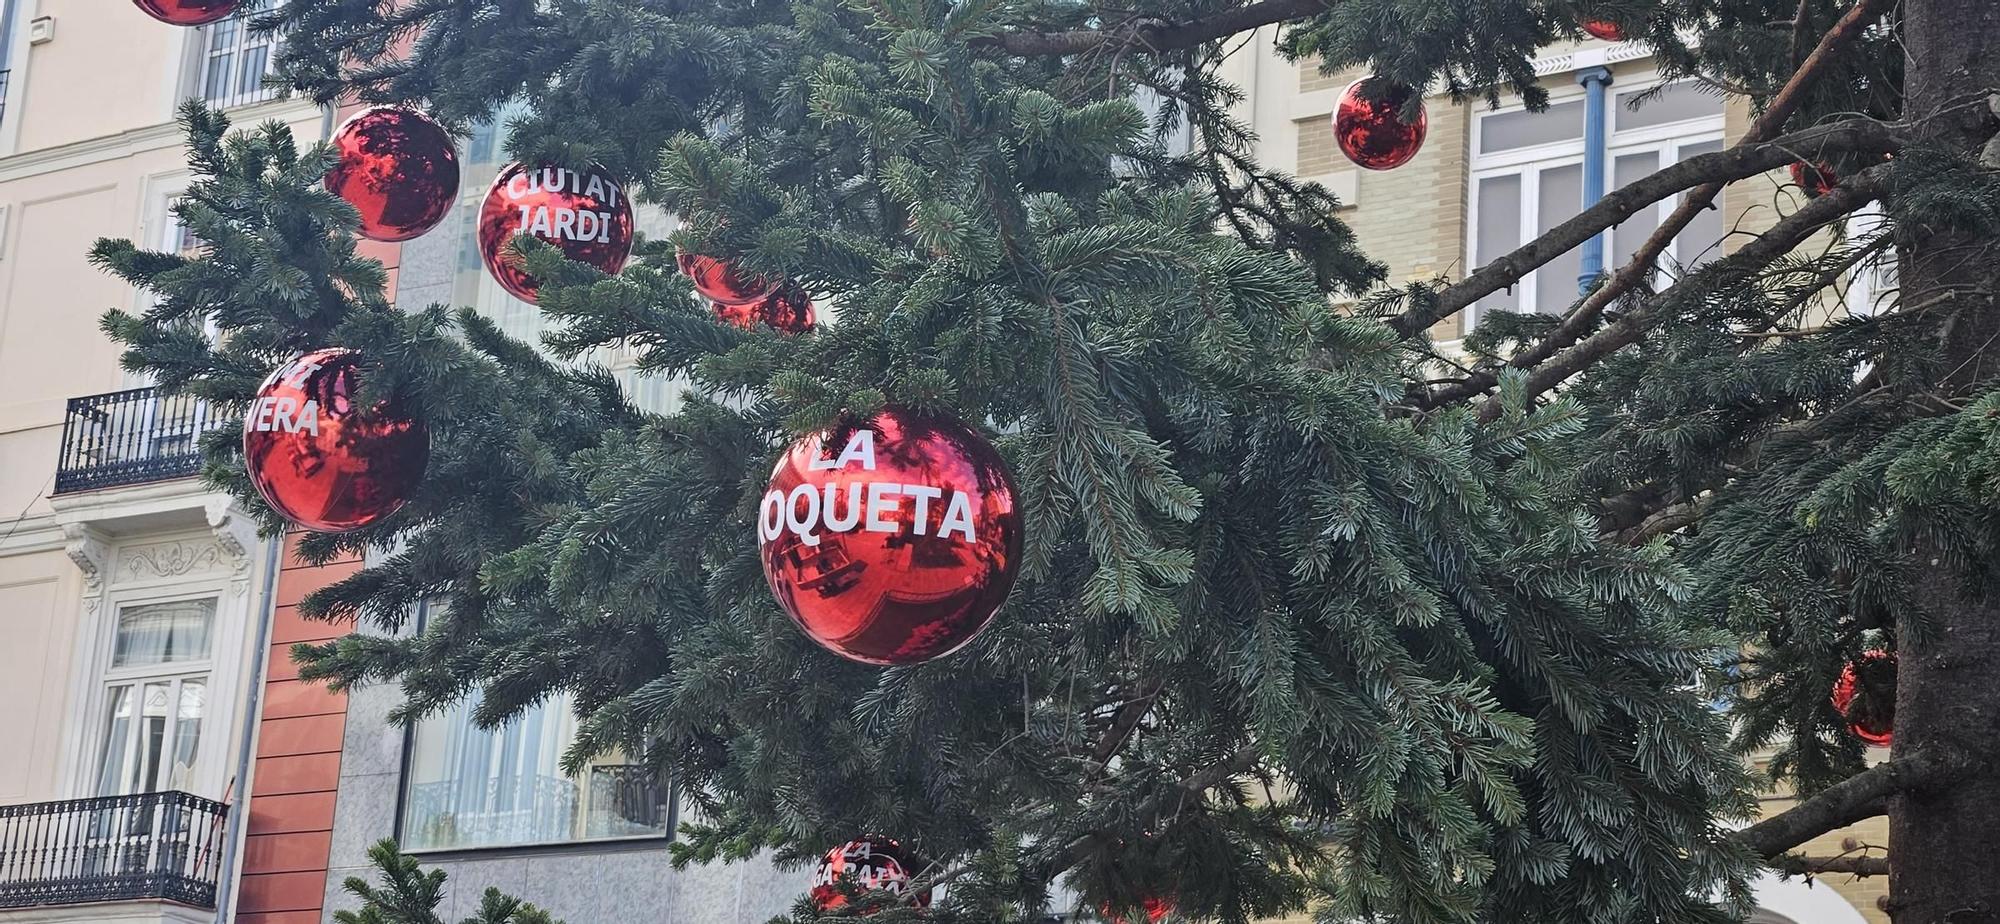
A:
x: 1411, y: 218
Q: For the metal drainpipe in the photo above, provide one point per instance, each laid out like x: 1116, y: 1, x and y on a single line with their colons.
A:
x: 1594, y: 80
x: 225, y: 886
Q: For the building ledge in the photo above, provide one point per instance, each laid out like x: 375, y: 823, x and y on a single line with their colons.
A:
x: 144, y: 911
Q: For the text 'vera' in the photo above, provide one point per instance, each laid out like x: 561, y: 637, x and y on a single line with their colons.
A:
x: 284, y: 413
x: 553, y: 223
x: 874, y: 506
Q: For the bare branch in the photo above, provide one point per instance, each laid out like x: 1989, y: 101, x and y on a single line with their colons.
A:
x: 1853, y: 799
x: 1549, y: 368
x: 1813, y: 866
x: 1739, y: 162
x: 1156, y: 34
x: 1122, y: 726
x: 1584, y: 316
x: 1665, y: 520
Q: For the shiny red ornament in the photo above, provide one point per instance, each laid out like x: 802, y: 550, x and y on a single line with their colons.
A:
x: 585, y: 215
x: 1870, y: 717
x: 1817, y: 180
x: 186, y: 12
x: 1603, y: 29
x: 398, y: 169
x: 319, y: 460
x: 788, y: 310
x: 1155, y: 908
x: 1368, y: 124
x: 718, y: 281
x: 893, y: 541
x: 871, y: 862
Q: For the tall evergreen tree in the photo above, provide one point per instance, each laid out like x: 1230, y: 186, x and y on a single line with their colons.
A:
x: 1303, y: 620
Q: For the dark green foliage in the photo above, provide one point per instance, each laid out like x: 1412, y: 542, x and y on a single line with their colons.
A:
x: 1283, y: 638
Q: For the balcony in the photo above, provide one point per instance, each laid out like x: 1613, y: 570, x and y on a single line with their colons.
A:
x: 164, y: 846
x: 130, y: 437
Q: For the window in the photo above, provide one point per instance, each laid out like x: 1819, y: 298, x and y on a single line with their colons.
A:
x: 235, y: 61
x: 1871, y: 288
x: 471, y: 787
x: 155, y: 695
x: 9, y: 9
x: 1527, y: 178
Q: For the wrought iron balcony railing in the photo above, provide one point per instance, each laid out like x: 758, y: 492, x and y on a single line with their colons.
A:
x: 130, y: 437
x: 155, y: 845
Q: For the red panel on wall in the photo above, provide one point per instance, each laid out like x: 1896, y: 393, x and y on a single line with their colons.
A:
x: 279, y: 917
x: 304, y: 891
x: 296, y: 774
x: 294, y: 782
x: 313, y: 734
x: 303, y: 851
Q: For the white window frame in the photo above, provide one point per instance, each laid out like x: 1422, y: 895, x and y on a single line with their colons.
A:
x: 214, y: 725
x: 1666, y: 140
x: 202, y: 55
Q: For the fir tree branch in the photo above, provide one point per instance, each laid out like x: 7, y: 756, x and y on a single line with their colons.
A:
x: 1122, y: 725
x: 1665, y: 520
x: 1549, y: 369
x: 1860, y: 796
x: 1156, y: 806
x: 1739, y: 162
x: 1584, y: 317
x: 1799, y: 864
x: 1156, y: 35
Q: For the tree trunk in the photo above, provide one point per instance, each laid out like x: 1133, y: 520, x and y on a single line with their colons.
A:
x: 1944, y: 869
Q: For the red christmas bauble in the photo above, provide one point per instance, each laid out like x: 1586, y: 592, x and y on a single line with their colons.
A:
x: 1603, y: 29
x: 872, y: 862
x: 398, y: 169
x: 1817, y: 180
x: 186, y: 12
x: 585, y: 215
x: 788, y: 310
x: 893, y: 541
x: 1368, y: 124
x: 1155, y: 908
x: 1871, y: 718
x: 717, y: 280
x: 320, y: 461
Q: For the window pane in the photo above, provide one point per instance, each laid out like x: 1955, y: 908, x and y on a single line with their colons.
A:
x: 1677, y: 103
x: 187, y: 732
x: 1701, y: 240
x: 251, y: 77
x: 158, y: 702
x: 117, y: 739
x: 1561, y: 198
x: 217, y: 86
x: 163, y: 633
x: 472, y: 787
x: 1499, y: 233
x: 1509, y: 130
x: 1633, y: 231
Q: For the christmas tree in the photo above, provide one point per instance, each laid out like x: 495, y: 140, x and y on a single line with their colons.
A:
x: 1310, y: 612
